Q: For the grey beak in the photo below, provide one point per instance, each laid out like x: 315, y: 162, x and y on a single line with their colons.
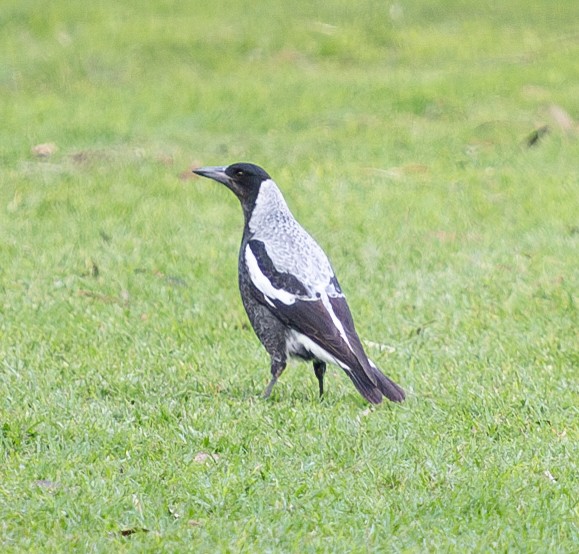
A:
x: 217, y: 173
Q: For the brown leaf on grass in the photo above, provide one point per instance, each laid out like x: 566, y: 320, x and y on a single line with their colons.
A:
x: 415, y: 168
x: 563, y: 120
x: 535, y: 136
x: 289, y: 55
x: 188, y: 173
x: 44, y: 150
x: 132, y: 531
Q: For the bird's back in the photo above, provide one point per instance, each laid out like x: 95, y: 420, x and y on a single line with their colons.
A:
x: 289, y: 246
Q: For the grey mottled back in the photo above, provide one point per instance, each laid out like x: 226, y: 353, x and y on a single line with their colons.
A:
x: 289, y: 246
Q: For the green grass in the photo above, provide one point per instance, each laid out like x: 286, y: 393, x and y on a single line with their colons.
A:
x: 397, y: 133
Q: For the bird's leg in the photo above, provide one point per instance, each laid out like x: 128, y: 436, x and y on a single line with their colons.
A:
x: 320, y: 370
x: 277, y: 367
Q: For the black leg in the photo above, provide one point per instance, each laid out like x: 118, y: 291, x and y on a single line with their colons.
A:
x: 277, y: 367
x: 320, y: 370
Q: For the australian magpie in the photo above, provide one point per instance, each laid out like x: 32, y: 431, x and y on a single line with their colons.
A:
x: 289, y: 289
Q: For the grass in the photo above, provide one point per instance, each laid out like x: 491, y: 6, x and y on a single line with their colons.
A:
x: 130, y: 379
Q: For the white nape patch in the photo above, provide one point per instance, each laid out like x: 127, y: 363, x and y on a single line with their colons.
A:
x: 269, y: 198
x: 335, y: 320
x: 263, y: 284
x: 296, y: 342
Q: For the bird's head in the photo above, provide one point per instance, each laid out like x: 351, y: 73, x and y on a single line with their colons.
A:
x: 244, y: 179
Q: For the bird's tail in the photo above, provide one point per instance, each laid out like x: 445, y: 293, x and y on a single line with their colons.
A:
x: 372, y: 384
x: 387, y: 387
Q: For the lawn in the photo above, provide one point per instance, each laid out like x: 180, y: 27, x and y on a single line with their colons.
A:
x: 430, y: 147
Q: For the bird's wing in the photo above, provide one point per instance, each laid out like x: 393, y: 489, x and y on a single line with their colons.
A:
x: 317, y: 310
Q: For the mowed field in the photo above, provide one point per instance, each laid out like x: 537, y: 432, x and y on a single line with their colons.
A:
x: 432, y: 149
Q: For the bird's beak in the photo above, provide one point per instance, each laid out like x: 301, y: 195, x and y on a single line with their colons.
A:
x: 216, y: 173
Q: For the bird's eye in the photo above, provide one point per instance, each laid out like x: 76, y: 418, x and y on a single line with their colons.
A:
x: 239, y: 173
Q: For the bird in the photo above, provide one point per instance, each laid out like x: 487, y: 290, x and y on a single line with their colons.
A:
x: 290, y: 291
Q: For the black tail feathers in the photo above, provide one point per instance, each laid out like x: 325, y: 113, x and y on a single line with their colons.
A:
x: 365, y: 387
x: 387, y: 387
x: 373, y: 384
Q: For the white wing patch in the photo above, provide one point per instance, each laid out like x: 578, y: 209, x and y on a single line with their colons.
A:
x: 338, y: 324
x: 263, y: 284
